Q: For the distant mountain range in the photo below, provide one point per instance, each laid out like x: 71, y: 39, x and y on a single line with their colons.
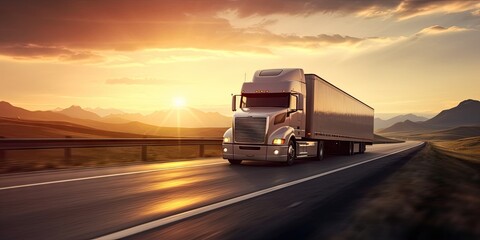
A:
x: 406, y: 126
x: 467, y: 113
x: 9, y: 111
x: 103, y: 112
x: 22, y: 128
x: 14, y: 121
x: 381, y: 124
x: 189, y: 122
x: 78, y: 112
x: 181, y: 117
x: 177, y: 117
x: 187, y: 117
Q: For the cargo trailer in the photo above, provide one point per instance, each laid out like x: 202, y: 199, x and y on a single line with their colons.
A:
x: 284, y: 114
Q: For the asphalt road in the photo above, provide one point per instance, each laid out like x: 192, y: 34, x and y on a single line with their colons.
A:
x: 191, y: 199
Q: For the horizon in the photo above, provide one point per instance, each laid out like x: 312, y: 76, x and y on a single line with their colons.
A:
x: 398, y: 57
x: 382, y: 116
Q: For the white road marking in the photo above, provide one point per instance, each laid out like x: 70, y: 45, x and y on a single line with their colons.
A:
x: 181, y: 216
x: 295, y: 204
x: 105, y: 176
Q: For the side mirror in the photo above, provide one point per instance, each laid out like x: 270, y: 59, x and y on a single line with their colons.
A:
x: 234, y: 102
x: 293, y: 104
x: 299, y: 97
x: 297, y: 103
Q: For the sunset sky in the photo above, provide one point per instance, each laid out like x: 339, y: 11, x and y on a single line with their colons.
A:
x: 399, y: 56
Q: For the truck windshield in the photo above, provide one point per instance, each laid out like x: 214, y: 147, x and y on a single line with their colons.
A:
x: 265, y: 100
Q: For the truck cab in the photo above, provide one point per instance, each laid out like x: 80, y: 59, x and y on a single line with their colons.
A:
x: 269, y: 117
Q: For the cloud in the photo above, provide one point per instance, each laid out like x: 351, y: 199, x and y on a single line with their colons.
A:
x: 77, y: 30
x: 308, y: 42
x: 412, y: 8
x: 406, y: 9
x: 437, y: 29
x: 371, y: 8
x: 32, y: 51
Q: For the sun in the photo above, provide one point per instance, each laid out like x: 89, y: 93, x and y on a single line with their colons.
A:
x: 179, y: 102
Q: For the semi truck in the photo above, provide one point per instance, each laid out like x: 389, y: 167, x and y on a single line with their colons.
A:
x: 283, y: 115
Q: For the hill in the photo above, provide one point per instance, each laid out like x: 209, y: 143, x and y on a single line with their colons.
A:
x: 103, y: 112
x: 465, y: 148
x: 132, y: 127
x: 406, y: 126
x: 9, y: 111
x: 20, y: 128
x: 461, y: 132
x: 381, y: 124
x: 453, y: 133
x: 185, y: 117
x: 181, y: 117
x: 466, y: 113
x: 438, y: 135
x: 80, y: 113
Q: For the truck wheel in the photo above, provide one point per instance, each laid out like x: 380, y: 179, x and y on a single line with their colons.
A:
x: 234, y: 162
x: 290, y: 153
x: 320, y: 151
x: 362, y: 147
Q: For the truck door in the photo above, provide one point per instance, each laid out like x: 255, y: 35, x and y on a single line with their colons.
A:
x: 297, y: 118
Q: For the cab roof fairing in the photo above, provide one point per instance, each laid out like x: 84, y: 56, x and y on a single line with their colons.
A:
x: 279, y: 75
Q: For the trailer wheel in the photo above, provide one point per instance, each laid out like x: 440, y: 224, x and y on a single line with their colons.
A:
x: 234, y: 162
x: 290, y: 153
x: 348, y: 148
x: 320, y: 151
x: 362, y: 147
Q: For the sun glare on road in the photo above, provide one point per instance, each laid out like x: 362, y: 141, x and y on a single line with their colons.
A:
x: 179, y: 102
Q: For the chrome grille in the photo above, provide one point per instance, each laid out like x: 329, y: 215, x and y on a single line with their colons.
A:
x: 250, y: 130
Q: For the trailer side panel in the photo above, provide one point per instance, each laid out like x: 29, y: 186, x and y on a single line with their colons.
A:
x: 332, y: 114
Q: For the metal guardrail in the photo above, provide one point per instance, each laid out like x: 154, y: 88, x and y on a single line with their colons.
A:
x: 68, y: 143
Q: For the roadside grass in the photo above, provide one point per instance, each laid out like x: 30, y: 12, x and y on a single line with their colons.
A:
x: 436, y: 195
x: 465, y: 148
x: 35, y: 160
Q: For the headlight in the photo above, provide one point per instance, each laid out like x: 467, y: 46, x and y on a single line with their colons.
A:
x: 278, y: 141
x: 226, y: 140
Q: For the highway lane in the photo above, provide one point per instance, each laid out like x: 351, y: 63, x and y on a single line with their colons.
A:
x: 20, y: 180
x: 316, y: 209
x: 95, y: 202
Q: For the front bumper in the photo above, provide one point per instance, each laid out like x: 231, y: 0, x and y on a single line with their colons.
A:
x: 235, y: 151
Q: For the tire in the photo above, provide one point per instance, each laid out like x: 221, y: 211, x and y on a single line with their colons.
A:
x: 234, y: 162
x: 320, y: 151
x: 348, y: 148
x: 290, y: 153
x: 362, y: 148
